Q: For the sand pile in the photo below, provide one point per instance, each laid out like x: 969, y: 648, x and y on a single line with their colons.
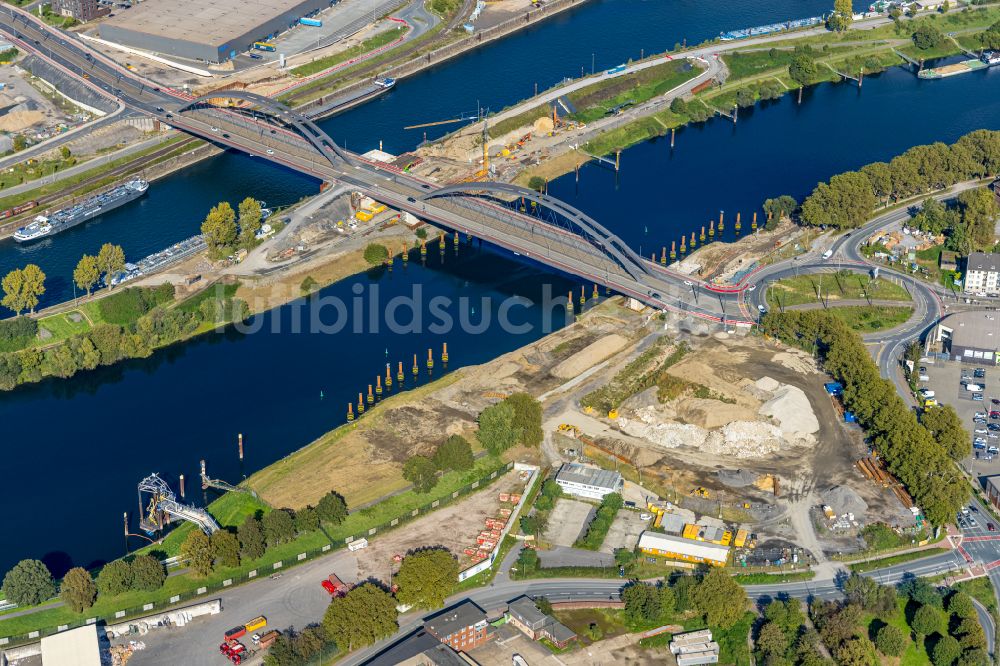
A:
x: 589, y: 356
x: 790, y: 408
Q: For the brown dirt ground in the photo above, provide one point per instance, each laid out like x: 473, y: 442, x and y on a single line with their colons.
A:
x: 724, y: 259
x: 454, y: 527
x: 366, y: 457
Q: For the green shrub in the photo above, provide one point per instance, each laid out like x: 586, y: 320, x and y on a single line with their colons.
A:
x: 17, y: 333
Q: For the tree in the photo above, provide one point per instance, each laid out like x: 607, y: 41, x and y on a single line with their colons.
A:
x: 890, y: 641
x: 979, y: 213
x: 86, y: 274
x: 720, y: 599
x: 197, y: 550
x: 250, y: 221
x: 29, y: 583
x: 115, y: 578
x: 970, y: 634
x: 332, y: 508
x: 531, y: 525
x: 527, y: 419
x: 536, y: 183
x: 927, y: 36
x: 20, y: 143
x: 421, y: 472
x: 960, y: 605
x: 528, y: 560
x: 278, y: 527
x: 148, y: 573
x: 306, y: 520
x: 225, y: 548
x: 926, y: 620
x: 13, y: 291
x: 861, y: 591
x: 802, y: 69
x: 426, y: 577
x: 946, y: 427
x: 496, y: 428
x: 746, y: 97
x: 110, y: 261
x: 946, y: 651
x: 845, y: 203
x: 454, y: 453
x: 78, y: 590
x: 772, y: 640
x: 843, y: 14
x: 679, y: 106
x: 363, y: 616
x: 219, y: 227
x: 779, y: 208
x: 543, y: 605
x: 376, y: 254
x: 857, y: 651
x: 65, y: 152
x: 33, y: 286
x: 642, y: 602
x: 251, y: 536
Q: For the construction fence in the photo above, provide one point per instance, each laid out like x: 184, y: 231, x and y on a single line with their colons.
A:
x: 154, y: 608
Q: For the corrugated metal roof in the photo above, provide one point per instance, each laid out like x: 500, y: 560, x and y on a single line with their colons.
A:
x: 590, y: 476
x: 681, y: 546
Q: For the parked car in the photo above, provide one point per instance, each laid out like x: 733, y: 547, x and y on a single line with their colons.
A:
x: 991, y: 527
x: 978, y: 397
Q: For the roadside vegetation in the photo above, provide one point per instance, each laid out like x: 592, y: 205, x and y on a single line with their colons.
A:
x: 913, y: 453
x: 843, y: 285
x: 367, y: 46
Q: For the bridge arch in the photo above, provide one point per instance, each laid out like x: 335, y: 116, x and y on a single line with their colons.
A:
x: 595, y: 233
x: 302, y: 124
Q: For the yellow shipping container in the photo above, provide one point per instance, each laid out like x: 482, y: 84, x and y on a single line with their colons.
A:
x: 741, y: 538
x: 377, y: 208
x: 691, y: 531
x: 256, y: 623
x: 364, y: 216
x: 727, y: 537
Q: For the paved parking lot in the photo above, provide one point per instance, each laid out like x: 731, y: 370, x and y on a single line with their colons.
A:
x: 567, y: 520
x: 624, y: 532
x: 945, y: 379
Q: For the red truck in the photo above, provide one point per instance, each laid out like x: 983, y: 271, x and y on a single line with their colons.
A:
x: 334, y: 586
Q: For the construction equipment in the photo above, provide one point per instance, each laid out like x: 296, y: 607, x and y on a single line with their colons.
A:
x: 569, y: 429
x: 701, y: 492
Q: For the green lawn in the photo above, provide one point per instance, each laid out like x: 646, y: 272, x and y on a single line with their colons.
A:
x: 869, y: 319
x: 743, y: 64
x: 762, y: 578
x: 62, y: 327
x: 595, y: 101
x: 913, y: 655
x: 803, y: 289
x: 367, y: 46
x: 871, y: 565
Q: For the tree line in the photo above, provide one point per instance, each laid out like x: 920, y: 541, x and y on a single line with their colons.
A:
x: 29, y: 582
x: 920, y: 458
x: 849, y: 199
x: 136, y: 320
x: 455, y: 454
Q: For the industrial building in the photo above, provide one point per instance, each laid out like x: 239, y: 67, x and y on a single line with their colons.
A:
x: 969, y: 337
x: 679, y: 548
x: 211, y: 31
x: 524, y: 614
x: 76, y: 647
x: 587, y: 481
x: 982, y: 273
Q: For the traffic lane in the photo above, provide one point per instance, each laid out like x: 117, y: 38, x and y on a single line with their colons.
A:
x: 986, y: 620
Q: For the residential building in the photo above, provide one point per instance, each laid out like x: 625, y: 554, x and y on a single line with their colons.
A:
x: 969, y: 337
x: 524, y: 614
x: 81, y: 10
x: 588, y: 481
x: 982, y: 273
x: 948, y: 261
x: 418, y: 649
x: 993, y: 490
x: 679, y: 548
x: 463, y: 627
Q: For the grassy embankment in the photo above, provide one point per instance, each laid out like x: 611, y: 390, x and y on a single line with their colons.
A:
x: 230, y: 510
x: 374, y: 42
x: 805, y: 289
x: 902, y: 558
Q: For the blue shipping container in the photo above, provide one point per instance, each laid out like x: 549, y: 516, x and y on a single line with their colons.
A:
x: 834, y: 388
x: 849, y: 417
x: 313, y: 22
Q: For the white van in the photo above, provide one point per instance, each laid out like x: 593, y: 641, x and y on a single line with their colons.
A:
x: 828, y: 254
x: 926, y: 393
x: 973, y: 387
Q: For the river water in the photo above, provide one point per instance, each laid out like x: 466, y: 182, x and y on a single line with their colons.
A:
x: 81, y: 445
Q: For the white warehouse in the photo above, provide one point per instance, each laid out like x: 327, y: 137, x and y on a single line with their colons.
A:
x: 587, y: 481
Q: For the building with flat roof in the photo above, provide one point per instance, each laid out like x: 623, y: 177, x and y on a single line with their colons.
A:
x: 679, y: 548
x: 211, y: 31
x: 970, y: 337
x: 587, y: 481
x: 993, y: 490
x: 76, y: 647
x: 463, y: 627
x: 982, y: 273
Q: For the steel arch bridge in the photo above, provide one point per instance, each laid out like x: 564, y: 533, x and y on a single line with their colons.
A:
x: 309, y: 130
x: 566, y: 216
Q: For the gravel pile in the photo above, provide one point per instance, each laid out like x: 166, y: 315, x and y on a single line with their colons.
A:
x: 845, y: 500
x: 790, y: 408
x: 737, y: 478
x: 647, y: 425
x: 745, y: 439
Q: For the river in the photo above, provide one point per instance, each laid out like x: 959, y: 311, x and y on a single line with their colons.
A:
x: 80, y: 446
